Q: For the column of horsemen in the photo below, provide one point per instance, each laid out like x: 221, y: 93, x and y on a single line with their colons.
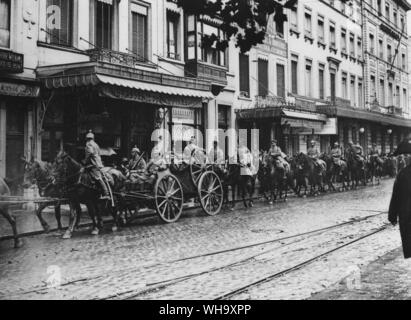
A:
x: 140, y: 171
x: 276, y: 172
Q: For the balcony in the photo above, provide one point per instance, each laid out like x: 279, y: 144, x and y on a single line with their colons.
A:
x: 339, y: 102
x: 395, y: 110
x: 217, y: 75
x: 117, y: 58
x: 270, y: 102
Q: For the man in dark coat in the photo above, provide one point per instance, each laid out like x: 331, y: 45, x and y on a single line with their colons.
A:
x: 400, y: 206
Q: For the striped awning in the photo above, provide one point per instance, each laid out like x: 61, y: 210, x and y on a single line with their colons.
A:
x: 65, y: 81
x: 150, y: 87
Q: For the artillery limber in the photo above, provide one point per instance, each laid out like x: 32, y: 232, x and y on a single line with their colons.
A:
x: 173, y: 186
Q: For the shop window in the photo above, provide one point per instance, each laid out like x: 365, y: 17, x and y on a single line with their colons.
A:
x: 5, y: 15
x: 139, y: 31
x: 59, y: 22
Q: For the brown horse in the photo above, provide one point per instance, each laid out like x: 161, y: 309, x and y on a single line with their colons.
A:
x: 43, y: 175
x: 4, y: 211
x: 308, y: 170
x: 275, y: 177
x: 81, y: 190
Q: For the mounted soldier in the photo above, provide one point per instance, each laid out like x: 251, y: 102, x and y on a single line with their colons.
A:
x: 94, y: 165
x: 276, y: 152
x: 374, y: 152
x: 314, y: 154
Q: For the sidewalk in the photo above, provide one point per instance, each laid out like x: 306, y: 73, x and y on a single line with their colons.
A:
x: 388, y: 278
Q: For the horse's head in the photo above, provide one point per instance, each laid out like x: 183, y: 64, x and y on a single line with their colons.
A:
x: 66, y: 166
x: 36, y: 172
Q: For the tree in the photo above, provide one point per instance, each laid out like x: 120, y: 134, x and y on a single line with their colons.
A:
x: 245, y: 20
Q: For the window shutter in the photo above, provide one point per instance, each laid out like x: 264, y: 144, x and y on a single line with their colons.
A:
x: 262, y: 78
x: 280, y: 80
x: 244, y: 74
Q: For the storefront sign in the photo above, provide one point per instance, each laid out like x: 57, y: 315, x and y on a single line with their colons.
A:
x: 19, y: 90
x: 183, y: 115
x: 300, y: 126
x: 11, y: 62
x: 330, y: 128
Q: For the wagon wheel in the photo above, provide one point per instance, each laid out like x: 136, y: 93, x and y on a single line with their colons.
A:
x: 169, y: 198
x: 198, y: 164
x: 210, y: 191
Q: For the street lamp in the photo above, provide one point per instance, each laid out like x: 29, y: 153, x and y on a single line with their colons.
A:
x: 362, y: 130
x: 389, y: 131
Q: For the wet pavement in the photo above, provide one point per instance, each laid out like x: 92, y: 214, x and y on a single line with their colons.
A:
x: 244, y: 254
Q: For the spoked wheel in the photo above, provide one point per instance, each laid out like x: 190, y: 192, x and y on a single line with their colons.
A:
x: 169, y: 198
x: 198, y: 164
x: 210, y: 191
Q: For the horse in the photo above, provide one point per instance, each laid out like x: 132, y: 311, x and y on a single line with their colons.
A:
x: 230, y: 178
x: 4, y: 211
x: 376, y: 169
x: 276, y: 178
x: 356, y: 168
x: 315, y: 174
x: 43, y: 175
x: 82, y: 190
x: 336, y: 173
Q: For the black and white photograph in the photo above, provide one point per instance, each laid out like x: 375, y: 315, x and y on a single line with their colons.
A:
x: 223, y: 151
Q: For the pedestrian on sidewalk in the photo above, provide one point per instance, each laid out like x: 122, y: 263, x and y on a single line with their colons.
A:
x: 400, y: 206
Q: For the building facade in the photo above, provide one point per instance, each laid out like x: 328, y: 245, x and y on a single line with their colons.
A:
x: 346, y: 77
x: 119, y: 68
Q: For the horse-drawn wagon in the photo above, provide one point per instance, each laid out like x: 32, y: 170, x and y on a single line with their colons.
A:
x: 174, y: 185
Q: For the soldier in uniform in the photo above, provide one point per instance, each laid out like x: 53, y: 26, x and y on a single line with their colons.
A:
x: 137, y: 163
x: 374, y: 151
x: 336, y: 155
x: 188, y: 151
x: 94, y: 165
x: 314, y: 154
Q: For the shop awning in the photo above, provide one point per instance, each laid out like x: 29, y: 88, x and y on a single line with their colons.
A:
x: 263, y: 113
x: 304, y: 115
x: 365, y: 115
x: 154, y: 87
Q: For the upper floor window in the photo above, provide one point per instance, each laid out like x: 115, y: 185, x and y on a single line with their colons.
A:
x: 307, y: 23
x: 332, y: 35
x: 343, y: 40
x: 352, y: 45
x: 379, y: 7
x: 5, y: 23
x: 394, y: 17
x: 244, y: 75
x: 211, y: 54
x: 387, y: 11
x: 59, y: 22
x: 104, y: 24
x: 172, y: 35
x: 294, y: 18
x: 381, y: 48
x: 372, y: 44
x: 321, y: 33
x: 139, y: 41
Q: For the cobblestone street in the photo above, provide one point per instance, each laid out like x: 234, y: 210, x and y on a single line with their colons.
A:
x: 301, y: 249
